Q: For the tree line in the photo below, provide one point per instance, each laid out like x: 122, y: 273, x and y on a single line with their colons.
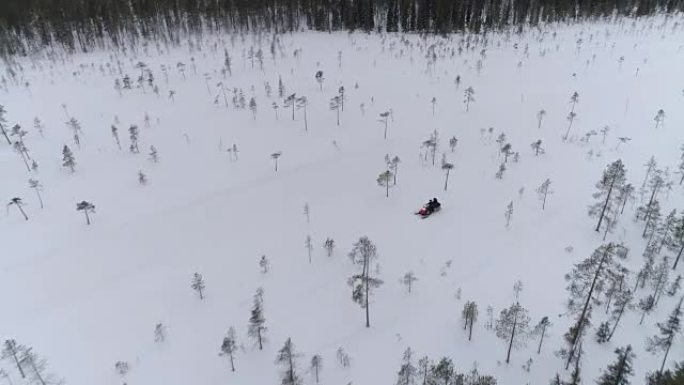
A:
x: 85, y: 24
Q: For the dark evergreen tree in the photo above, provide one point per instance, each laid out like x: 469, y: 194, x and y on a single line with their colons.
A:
x: 619, y: 372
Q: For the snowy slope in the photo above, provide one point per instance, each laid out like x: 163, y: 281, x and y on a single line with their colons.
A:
x: 87, y: 296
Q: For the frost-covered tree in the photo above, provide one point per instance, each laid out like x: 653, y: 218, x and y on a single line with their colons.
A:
x: 275, y: 107
x: 316, y: 366
x: 540, y: 329
x: 626, y: 193
x: 537, y: 147
x: 319, y: 79
x: 336, y: 105
x: 142, y: 178
x: 86, y: 207
x: 115, y: 134
x: 68, y: 159
x: 408, y: 279
x: 229, y: 347
x: 571, y: 119
x: 453, y: 142
x: 469, y: 316
x: 507, y: 150
x: 263, y: 264
x: 602, y: 332
x: 619, y: 372
x: 500, y: 172
x: 74, y: 125
x: 384, y: 119
x: 424, y: 370
x: 646, y: 305
x: 675, y: 286
x: 513, y: 327
x: 385, y: 180
x: 18, y: 203
x: 12, y: 351
x: 275, y: 157
x: 134, y: 133
x: 37, y: 187
x: 3, y: 121
x: 253, y: 107
x: 309, y: 246
x: 586, y: 282
x: 667, y: 332
x: 37, y: 368
x: 197, y: 284
x: 431, y: 145
x: 343, y: 358
x: 159, y: 333
x: 302, y: 103
x: 677, y: 240
x: 38, y: 125
x: 540, y: 117
x: 363, y: 253
x: 608, y: 187
x: 442, y: 373
x: 543, y: 191
x: 509, y: 214
x: 307, y: 212
x: 574, y: 99
x: 623, y: 302
x: 257, y: 323
x: 659, y: 278
x: 287, y: 358
x: 329, y: 246
x: 468, y: 97
x: 659, y: 118
x: 393, y: 166
x: 407, y: 372
x: 154, y: 154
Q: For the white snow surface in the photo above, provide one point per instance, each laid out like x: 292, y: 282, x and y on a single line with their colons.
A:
x: 85, y: 297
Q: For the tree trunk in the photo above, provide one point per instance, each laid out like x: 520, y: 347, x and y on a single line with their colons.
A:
x: 541, y: 340
x: 446, y: 182
x: 605, y: 205
x: 22, y: 212
x: 87, y: 217
x: 232, y: 364
x: 624, y: 203
x: 470, y: 330
x: 387, y: 189
x: 40, y: 199
x: 678, y: 256
x: 546, y: 191
x: 510, y: 343
x: 580, y: 322
x: 36, y: 372
x: 4, y: 133
x: 617, y: 321
x: 16, y: 361
x: 667, y: 351
x: 316, y: 371
x: 367, y: 268
x: 200, y: 293
x: 338, y: 116
x: 385, y: 129
x: 261, y: 346
x: 293, y: 108
x: 306, y: 123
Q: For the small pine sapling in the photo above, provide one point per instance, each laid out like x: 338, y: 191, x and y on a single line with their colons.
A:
x: 197, y: 284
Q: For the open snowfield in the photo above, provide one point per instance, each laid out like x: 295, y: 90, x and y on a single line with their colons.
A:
x: 85, y: 296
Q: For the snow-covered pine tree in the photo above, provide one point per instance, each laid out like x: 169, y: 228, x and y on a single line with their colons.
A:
x: 500, y: 172
x: 3, y: 121
x: 263, y: 263
x: 540, y: 117
x: 513, y: 327
x: 316, y: 366
x: 623, y: 301
x: 142, y: 178
x: 659, y: 278
x: 115, y: 134
x: 257, y: 322
x: 229, y: 347
x: 18, y: 203
x: 468, y: 97
x: 319, y: 79
x: 646, y: 305
x: 86, y: 207
x: 363, y: 253
x: 677, y: 240
x: 586, y: 282
x: 68, y: 159
x: 442, y: 373
x: 509, y: 214
x: 154, y: 155
x: 543, y: 191
x: 612, y: 181
x: 385, y: 180
x: 287, y: 359
x: 329, y: 246
x: 134, y: 133
x: 11, y: 352
x: 602, y: 332
x: 336, y: 105
x: 618, y: 373
x: 407, y: 372
x: 446, y: 166
x: 302, y: 102
x: 659, y: 118
x: 574, y: 99
x: 540, y: 329
x: 408, y: 279
x: 159, y: 333
x: 275, y: 157
x: 667, y: 331
x: 675, y: 286
x: 469, y: 316
x: 384, y: 119
x: 537, y: 147
x: 253, y: 107
x: 37, y: 187
x: 197, y: 284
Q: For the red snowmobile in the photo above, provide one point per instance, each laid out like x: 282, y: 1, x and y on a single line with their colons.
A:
x: 429, y: 208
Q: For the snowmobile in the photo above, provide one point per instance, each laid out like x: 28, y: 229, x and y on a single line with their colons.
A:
x: 429, y: 208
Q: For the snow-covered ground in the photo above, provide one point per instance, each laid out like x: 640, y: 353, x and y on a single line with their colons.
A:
x: 85, y: 297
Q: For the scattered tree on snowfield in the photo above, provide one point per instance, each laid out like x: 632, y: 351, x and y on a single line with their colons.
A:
x: 407, y: 372
x: 197, y: 284
x: 86, y: 207
x: 287, y: 359
x: 316, y: 366
x: 513, y: 326
x: 408, y: 279
x: 618, y: 373
x: 612, y: 181
x: 668, y: 330
x: 18, y: 203
x: 257, y: 322
x: 229, y: 347
x: 329, y: 246
x: 385, y: 180
x: 540, y: 329
x: 363, y: 253
x: 68, y: 159
x: 543, y: 191
x: 469, y: 316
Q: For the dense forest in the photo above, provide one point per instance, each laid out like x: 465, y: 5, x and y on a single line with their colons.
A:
x: 83, y: 24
